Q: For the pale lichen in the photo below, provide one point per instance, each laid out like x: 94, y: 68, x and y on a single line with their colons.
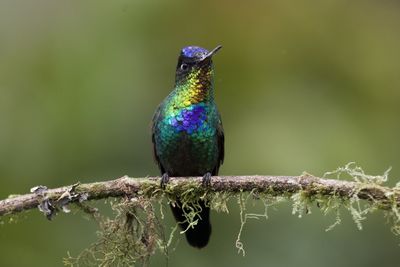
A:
x: 242, y: 200
x: 357, y: 208
x: 358, y: 174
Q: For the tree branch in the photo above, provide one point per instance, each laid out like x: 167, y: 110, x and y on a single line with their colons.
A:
x: 311, y: 186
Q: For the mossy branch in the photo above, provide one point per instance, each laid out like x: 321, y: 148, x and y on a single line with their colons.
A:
x: 49, y: 200
x: 136, y: 231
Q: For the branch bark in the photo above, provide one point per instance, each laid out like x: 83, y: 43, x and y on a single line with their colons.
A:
x: 276, y: 185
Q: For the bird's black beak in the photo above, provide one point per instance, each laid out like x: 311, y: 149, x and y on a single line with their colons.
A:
x: 212, y: 52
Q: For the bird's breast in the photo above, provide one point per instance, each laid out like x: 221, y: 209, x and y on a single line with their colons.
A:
x: 187, y: 143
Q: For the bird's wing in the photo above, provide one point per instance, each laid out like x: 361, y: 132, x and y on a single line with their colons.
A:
x: 220, y: 142
x: 156, y: 118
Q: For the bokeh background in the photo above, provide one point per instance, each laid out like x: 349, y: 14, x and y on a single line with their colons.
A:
x: 301, y: 85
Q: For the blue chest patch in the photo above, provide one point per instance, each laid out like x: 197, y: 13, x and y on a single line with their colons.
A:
x: 190, y: 119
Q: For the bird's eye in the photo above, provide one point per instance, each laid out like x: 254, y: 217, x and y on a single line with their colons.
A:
x: 184, y: 66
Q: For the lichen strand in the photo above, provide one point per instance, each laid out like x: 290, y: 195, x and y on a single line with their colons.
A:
x: 128, y: 239
x: 189, y: 196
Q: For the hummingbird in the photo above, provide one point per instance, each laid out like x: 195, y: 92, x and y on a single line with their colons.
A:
x: 187, y: 134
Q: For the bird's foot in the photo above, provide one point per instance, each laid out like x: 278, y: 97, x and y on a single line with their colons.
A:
x: 164, y: 180
x: 206, y: 182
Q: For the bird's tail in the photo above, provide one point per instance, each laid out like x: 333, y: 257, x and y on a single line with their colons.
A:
x: 198, y: 235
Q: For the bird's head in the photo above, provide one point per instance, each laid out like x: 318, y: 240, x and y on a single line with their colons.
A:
x: 195, y: 66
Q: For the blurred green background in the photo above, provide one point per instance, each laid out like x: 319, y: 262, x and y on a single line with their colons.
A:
x: 301, y: 85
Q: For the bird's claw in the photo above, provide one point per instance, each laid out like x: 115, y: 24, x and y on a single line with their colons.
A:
x: 164, y: 180
x: 206, y: 182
